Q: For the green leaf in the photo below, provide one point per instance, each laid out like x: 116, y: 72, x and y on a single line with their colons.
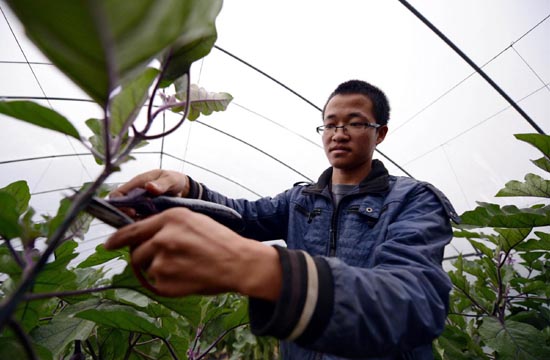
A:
x: 202, y: 101
x: 60, y: 332
x: 100, y: 44
x: 21, y: 193
x: 457, y: 344
x: 7, y: 263
x: 101, y: 256
x: 11, y: 348
x: 56, y: 276
x: 196, y: 39
x: 514, y: 340
x: 35, y: 114
x: 534, y: 185
x: 238, y: 315
x: 542, y: 243
x: 123, y: 317
x: 510, y: 238
x: 492, y: 215
x: 482, y: 247
x: 540, y: 141
x: 126, y: 105
x: 58, y: 219
x: 543, y: 163
x: 113, y: 342
x: 9, y: 218
x: 188, y: 307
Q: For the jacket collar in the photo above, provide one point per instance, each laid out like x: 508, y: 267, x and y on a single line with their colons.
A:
x: 376, y: 182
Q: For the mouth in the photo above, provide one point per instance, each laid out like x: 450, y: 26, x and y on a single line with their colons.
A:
x: 339, y: 149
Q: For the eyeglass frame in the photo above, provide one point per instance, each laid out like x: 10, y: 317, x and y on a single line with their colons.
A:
x: 321, y: 129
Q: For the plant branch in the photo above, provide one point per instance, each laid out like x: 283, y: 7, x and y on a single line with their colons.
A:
x: 80, y: 200
x: 14, y: 253
x: 24, y: 338
x: 91, y: 350
x: 218, y: 339
x: 474, y: 302
x: 170, y: 349
x: 184, y: 116
x: 146, y: 356
x: 529, y: 297
x: 92, y: 150
x: 30, y: 297
x: 150, y: 116
x: 131, y: 345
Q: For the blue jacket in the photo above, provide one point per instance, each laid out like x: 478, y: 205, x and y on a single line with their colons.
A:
x: 363, y: 280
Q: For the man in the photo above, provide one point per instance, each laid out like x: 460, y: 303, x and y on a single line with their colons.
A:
x: 361, y: 276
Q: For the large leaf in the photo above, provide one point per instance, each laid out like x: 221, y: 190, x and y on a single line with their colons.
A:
x: 9, y: 218
x: 20, y: 192
x: 14, y: 200
x: 56, y: 276
x: 492, y: 215
x: 64, y: 328
x: 7, y: 263
x: 543, y: 163
x: 123, y: 317
x: 196, y: 40
x: 38, y: 115
x: 543, y: 243
x: 201, y: 100
x: 189, y: 306
x: 11, y: 348
x: 540, y: 141
x: 101, y: 256
x: 514, y: 340
x: 534, y: 185
x: 100, y: 43
x: 112, y: 342
x: 458, y: 345
x: 126, y: 105
x: 510, y: 238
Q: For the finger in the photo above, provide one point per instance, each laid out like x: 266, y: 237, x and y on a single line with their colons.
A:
x: 138, y: 181
x: 168, y: 182
x: 134, y: 234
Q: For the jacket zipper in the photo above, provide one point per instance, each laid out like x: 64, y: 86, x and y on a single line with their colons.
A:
x: 334, y: 230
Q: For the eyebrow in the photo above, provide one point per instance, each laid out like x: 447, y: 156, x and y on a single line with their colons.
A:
x: 348, y: 116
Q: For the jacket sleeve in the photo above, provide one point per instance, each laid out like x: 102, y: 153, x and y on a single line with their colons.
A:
x: 264, y: 219
x: 398, y: 304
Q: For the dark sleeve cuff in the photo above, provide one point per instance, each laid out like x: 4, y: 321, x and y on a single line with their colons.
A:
x: 305, y: 305
x: 195, y: 189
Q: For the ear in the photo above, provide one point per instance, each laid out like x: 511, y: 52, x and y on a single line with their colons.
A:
x: 381, y: 133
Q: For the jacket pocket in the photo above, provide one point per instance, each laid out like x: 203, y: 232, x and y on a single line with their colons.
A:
x: 367, y: 214
x: 310, y: 215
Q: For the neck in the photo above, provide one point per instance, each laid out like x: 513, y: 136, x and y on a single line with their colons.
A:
x: 346, y: 177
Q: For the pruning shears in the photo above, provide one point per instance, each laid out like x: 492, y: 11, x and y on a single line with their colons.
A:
x: 146, y: 204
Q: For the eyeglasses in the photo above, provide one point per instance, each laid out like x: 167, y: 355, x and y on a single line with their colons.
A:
x: 352, y: 128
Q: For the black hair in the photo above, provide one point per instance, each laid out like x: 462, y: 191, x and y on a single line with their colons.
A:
x: 381, y: 105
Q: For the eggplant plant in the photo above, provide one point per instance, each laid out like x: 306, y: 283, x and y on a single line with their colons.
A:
x: 124, y: 55
x: 500, y: 303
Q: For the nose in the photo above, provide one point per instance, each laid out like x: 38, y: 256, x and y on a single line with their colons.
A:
x: 340, y: 135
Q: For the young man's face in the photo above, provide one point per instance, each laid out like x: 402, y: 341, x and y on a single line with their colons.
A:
x: 351, y: 149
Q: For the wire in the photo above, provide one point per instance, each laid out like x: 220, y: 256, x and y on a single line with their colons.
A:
x: 215, y: 173
x: 255, y: 148
x: 473, y: 65
x: 38, y: 82
x: 474, y: 126
x: 277, y: 124
x: 298, y: 95
x: 267, y: 76
x: 467, y: 77
x: 529, y: 66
